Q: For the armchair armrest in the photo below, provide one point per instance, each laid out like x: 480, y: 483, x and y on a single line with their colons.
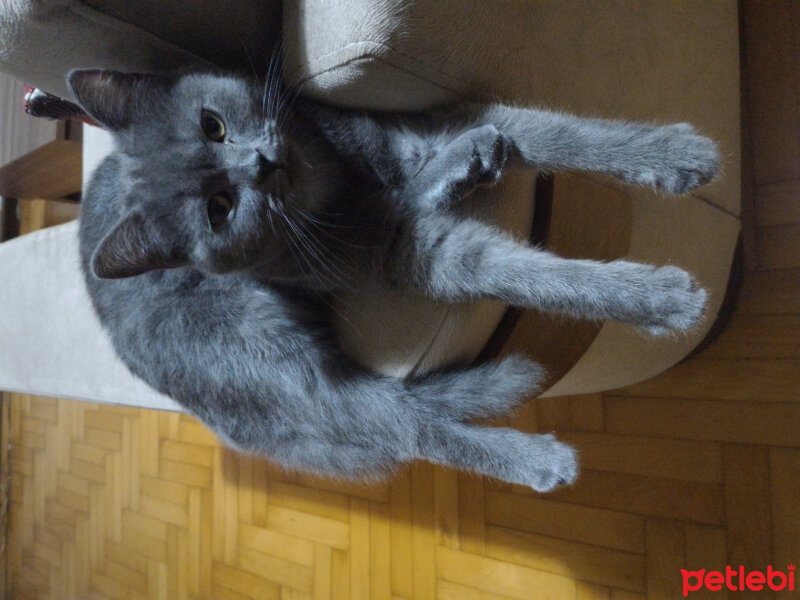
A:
x: 52, y: 343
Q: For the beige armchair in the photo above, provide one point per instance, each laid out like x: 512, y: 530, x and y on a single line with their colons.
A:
x: 660, y: 60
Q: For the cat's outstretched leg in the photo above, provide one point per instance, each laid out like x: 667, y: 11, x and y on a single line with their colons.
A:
x: 358, y: 425
x: 537, y: 461
x: 672, y: 158
x: 460, y: 260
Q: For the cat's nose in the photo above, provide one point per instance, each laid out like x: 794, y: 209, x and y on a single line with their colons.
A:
x: 265, y: 167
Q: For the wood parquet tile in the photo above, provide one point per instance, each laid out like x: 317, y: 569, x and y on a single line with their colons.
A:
x: 697, y: 468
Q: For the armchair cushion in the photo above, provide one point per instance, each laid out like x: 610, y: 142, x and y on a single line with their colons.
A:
x: 659, y: 60
x: 40, y: 42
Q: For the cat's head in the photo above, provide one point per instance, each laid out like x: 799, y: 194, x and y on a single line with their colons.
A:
x: 211, y: 169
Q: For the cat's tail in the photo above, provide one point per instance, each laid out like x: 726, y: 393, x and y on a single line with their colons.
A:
x: 488, y: 390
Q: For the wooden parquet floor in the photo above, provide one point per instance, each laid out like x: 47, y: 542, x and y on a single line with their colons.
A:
x: 697, y: 468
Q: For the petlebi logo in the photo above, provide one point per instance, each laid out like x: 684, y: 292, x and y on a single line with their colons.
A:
x: 738, y: 580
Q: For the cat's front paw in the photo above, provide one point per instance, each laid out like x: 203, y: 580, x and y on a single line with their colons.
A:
x: 490, y: 151
x: 476, y: 157
x: 486, y: 151
x: 676, y: 160
x: 676, y: 302
x: 556, y: 464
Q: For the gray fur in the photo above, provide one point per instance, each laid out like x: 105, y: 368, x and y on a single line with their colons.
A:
x: 230, y: 320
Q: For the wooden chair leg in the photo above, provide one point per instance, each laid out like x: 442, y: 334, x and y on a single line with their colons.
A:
x: 9, y: 219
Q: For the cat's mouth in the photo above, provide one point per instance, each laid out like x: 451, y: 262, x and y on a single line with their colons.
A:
x: 278, y: 182
x: 274, y: 194
x: 290, y: 164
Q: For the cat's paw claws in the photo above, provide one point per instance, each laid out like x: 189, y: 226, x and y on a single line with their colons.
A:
x: 684, y: 160
x: 558, y: 467
x: 490, y: 153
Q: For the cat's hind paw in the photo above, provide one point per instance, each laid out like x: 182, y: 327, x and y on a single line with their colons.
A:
x: 556, y: 464
x: 681, y: 160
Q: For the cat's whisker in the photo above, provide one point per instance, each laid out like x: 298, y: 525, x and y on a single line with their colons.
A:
x: 290, y: 91
x: 317, y: 251
x: 321, y: 227
x: 272, y: 75
x: 338, y: 272
x: 264, y: 100
x: 269, y: 97
x: 272, y: 223
x: 316, y: 220
x: 297, y: 254
x: 281, y: 98
x: 266, y: 82
x: 330, y: 235
x: 294, y: 249
x: 285, y: 110
x: 249, y: 58
x: 294, y: 89
x: 295, y: 240
x: 331, y: 293
x: 276, y: 96
x: 275, y: 84
x: 271, y: 112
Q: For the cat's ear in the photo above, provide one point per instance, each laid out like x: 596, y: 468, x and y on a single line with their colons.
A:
x: 134, y: 247
x: 110, y: 96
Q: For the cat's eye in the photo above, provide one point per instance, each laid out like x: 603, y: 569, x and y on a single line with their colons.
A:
x: 213, y: 127
x: 218, y: 207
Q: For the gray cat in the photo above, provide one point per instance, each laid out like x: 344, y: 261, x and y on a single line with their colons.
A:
x: 211, y: 237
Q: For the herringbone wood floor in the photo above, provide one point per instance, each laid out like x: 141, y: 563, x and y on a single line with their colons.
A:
x: 697, y: 468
